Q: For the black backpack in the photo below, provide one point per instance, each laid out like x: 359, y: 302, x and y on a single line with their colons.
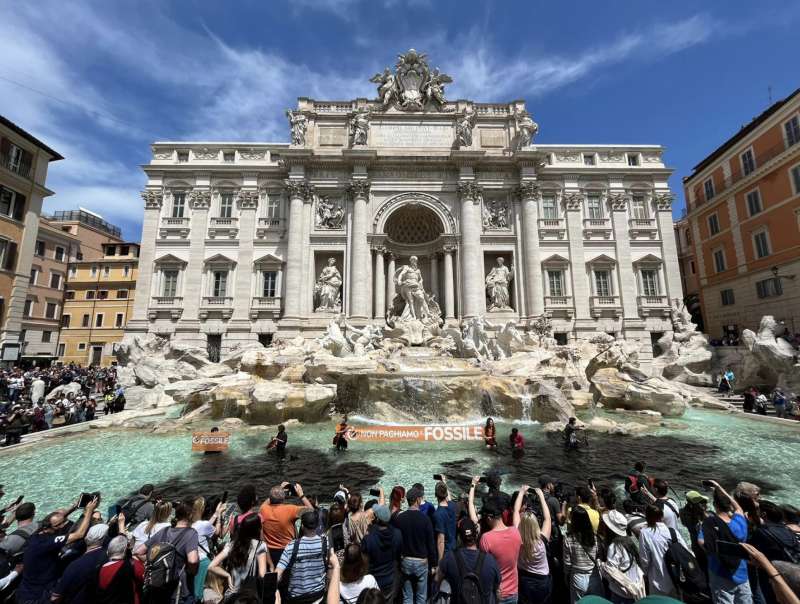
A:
x: 162, y: 572
x: 7, y: 561
x: 684, y: 570
x: 470, y: 591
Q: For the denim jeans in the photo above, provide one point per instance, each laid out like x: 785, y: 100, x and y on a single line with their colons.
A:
x: 415, y: 580
x: 512, y: 599
x: 725, y: 591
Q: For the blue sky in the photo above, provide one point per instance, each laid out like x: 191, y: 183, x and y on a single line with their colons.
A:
x: 99, y: 81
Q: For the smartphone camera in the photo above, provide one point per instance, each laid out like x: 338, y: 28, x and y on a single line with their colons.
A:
x: 375, y: 492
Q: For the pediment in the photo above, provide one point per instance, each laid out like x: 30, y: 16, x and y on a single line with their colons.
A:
x: 602, y: 259
x: 169, y: 259
x: 268, y: 259
x: 648, y: 259
x: 555, y: 259
x: 219, y: 259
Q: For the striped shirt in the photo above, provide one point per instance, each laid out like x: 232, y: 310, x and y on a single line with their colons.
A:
x: 308, y: 570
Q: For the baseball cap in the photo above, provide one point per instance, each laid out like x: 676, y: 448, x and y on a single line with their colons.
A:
x: 491, y: 508
x: 696, y: 497
x: 381, y: 513
x: 468, y: 530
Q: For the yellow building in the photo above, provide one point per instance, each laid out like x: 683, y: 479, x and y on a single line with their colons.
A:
x: 97, y: 304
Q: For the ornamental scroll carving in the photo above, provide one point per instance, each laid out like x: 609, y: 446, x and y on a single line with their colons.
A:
x: 618, y: 202
x: 573, y: 200
x: 206, y: 153
x: 359, y: 188
x: 299, y: 188
x: 247, y: 199
x: 162, y: 154
x: 152, y: 199
x: 252, y: 154
x: 413, y: 86
x: 664, y: 201
x: 469, y: 190
x: 200, y: 199
x: 528, y: 190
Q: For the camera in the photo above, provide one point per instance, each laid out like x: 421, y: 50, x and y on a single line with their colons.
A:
x: 291, y: 489
x: 375, y: 492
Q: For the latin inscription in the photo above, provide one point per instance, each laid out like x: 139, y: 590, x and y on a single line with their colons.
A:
x: 411, y: 134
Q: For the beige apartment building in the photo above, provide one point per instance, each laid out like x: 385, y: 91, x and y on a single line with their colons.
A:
x: 743, y: 223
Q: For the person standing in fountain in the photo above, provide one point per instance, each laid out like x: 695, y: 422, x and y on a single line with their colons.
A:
x: 571, y: 434
x: 278, y: 442
x: 517, y: 443
x: 490, y: 434
x: 340, y: 438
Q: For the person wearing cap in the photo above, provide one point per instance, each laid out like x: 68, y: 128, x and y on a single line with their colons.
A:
x: 419, y: 549
x: 383, y: 546
x: 73, y: 587
x: 472, y: 560
x: 621, y: 554
x: 692, y: 516
x: 305, y: 558
x: 278, y: 518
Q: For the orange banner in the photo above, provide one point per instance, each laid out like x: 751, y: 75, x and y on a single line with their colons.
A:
x: 442, y: 433
x: 210, y: 441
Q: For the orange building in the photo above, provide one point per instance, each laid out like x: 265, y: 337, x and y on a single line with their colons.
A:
x: 743, y: 222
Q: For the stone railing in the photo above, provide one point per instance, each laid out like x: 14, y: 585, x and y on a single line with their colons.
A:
x: 169, y: 221
x: 217, y: 300
x: 605, y: 300
x: 167, y: 300
x: 266, y: 302
x: 558, y: 300
x: 642, y: 223
x: 224, y: 221
x: 550, y: 227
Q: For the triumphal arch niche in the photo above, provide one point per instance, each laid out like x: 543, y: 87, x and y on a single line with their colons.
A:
x: 409, y: 201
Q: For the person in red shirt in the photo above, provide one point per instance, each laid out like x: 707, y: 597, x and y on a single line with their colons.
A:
x: 490, y: 434
x: 517, y: 443
x: 121, y: 578
x: 504, y: 543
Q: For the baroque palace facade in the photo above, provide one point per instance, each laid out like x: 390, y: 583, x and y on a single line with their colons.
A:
x: 246, y: 241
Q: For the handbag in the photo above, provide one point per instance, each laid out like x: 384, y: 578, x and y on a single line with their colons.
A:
x: 629, y: 589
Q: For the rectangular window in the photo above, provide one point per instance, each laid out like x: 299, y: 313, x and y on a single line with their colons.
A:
x: 124, y: 250
x: 82, y: 346
x: 59, y: 254
x: 65, y: 320
x: 8, y: 254
x: 170, y: 279
x: 228, y: 156
x: 753, y: 202
x: 713, y: 224
x: 34, y: 275
x: 769, y: 288
x: 588, y: 159
x: 792, y: 129
x: 691, y: 266
x: 28, y: 308
x: 22, y: 334
x: 98, y: 320
x: 85, y: 321
x: 226, y: 205
x: 70, y: 295
x: 183, y: 157
x: 270, y: 284
x: 73, y: 271
x: 178, y: 204
x: 122, y: 294
x: 40, y: 248
x: 220, y: 284
x: 761, y: 243
x: 50, y: 310
x: 549, y: 209
x: 649, y: 282
x: 594, y: 207
x: 273, y: 207
x: 708, y: 187
x: 602, y: 283
x: 55, y: 280
x: 727, y: 297
x: 555, y: 281
x: 106, y: 270
x: 748, y: 162
x: 633, y: 159
x: 62, y: 348
x: 90, y: 294
x: 119, y: 319
x: 639, y: 207
x: 12, y: 204
x: 796, y: 179
x: 94, y: 271
x: 46, y: 337
x: 102, y: 294
x: 719, y: 260
x: 111, y: 250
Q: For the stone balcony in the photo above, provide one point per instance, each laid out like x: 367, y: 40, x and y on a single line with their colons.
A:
x: 220, y: 227
x: 269, y: 226
x: 599, y: 228
x: 653, y: 306
x: 561, y: 305
x: 643, y: 227
x: 263, y: 306
x: 174, y: 227
x: 161, y: 305
x: 218, y: 305
x: 552, y: 228
x: 605, y: 305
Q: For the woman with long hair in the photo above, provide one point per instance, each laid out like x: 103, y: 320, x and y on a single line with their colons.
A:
x: 580, y: 557
x: 159, y: 519
x: 242, y: 558
x: 208, y: 524
x: 490, y: 434
x: 354, y: 575
x: 358, y: 519
x: 337, y: 531
x: 621, y: 554
x: 535, y: 583
x: 396, y: 500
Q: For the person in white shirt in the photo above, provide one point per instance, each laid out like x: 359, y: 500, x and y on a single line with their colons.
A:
x: 206, y: 531
x: 159, y: 519
x: 654, y: 539
x: 660, y: 497
x: 621, y: 554
x: 354, y: 577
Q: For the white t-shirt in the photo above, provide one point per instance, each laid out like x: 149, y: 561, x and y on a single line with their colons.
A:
x: 205, y: 530
x: 139, y: 534
x: 670, y: 514
x: 349, y: 592
x: 620, y: 558
x: 653, y: 543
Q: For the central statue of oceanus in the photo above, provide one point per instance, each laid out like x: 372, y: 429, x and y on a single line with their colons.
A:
x: 413, y: 312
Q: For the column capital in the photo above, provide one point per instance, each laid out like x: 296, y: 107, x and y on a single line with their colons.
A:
x: 200, y: 199
x: 152, y: 199
x: 359, y: 188
x: 618, y: 201
x: 573, y: 200
x: 247, y: 199
x: 449, y: 249
x: 299, y: 188
x: 664, y: 201
x: 528, y: 190
x: 469, y: 190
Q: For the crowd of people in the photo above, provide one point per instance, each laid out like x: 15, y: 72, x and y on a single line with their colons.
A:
x: 479, y: 545
x: 24, y: 404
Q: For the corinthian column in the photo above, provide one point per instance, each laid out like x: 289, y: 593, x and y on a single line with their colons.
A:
x: 144, y: 283
x: 449, y: 284
x: 380, y: 285
x: 473, y: 301
x: 359, y: 252
x: 247, y: 200
x: 529, y: 198
x: 390, y: 292
x: 300, y: 191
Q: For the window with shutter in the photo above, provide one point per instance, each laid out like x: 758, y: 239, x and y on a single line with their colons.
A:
x: 19, y: 207
x: 10, y: 258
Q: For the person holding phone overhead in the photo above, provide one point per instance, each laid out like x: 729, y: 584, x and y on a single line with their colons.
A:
x: 721, y: 534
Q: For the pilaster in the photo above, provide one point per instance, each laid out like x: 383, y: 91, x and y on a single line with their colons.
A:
x: 472, y: 294
x: 673, y: 287
x: 300, y: 192
x: 200, y: 202
x: 247, y: 201
x: 618, y: 202
x: 529, y: 196
x: 153, y: 200
x: 449, y: 284
x: 573, y: 202
x: 380, y: 284
x: 359, y: 253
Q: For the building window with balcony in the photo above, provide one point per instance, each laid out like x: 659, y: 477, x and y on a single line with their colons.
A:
x: 602, y: 283
x: 39, y: 248
x: 12, y: 204
x: 713, y: 224
x: 15, y: 158
x: 769, y: 288
x: 51, y: 310
x: 796, y: 179
x: 59, y: 254
x: 270, y: 284
x: 792, y: 130
x: 549, y: 208
x: 178, y: 204
x: 86, y: 320
x: 219, y: 283
x: 719, y: 261
x: 639, y: 207
x: 226, y: 205
x: 594, y: 207
x: 169, y: 279
x: 633, y: 159
x: 753, y: 202
x: 28, y: 308
x: 708, y: 188
x: 649, y: 278
x: 65, y: 320
x: 273, y: 207
x: 588, y: 159
x: 555, y: 283
x: 727, y: 297
x: 761, y: 244
x: 748, y: 162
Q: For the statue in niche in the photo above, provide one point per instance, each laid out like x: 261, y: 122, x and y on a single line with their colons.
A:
x: 497, y: 286
x: 408, y: 279
x: 495, y: 215
x: 328, y: 288
x: 464, y: 127
x: 298, y: 124
x: 527, y: 129
x: 329, y: 215
x: 359, y: 127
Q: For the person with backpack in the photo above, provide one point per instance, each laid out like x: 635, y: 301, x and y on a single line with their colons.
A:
x: 580, y: 556
x: 654, y: 541
x: 661, y: 499
x: 473, y: 575
x: 243, y: 559
x: 535, y: 582
x: 159, y: 520
x: 621, y: 565
x: 383, y: 546
x: 634, y: 482
x: 303, y: 564
x: 171, y: 559
x: 120, y: 579
x: 15, y: 542
x: 78, y: 582
x: 139, y: 508
x: 776, y: 541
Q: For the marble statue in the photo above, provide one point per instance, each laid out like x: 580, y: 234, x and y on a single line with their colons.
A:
x: 298, y: 123
x: 329, y: 214
x: 475, y: 339
x: 497, y: 286
x: 495, y: 215
x: 412, y: 85
x: 464, y: 126
x: 328, y: 289
x: 334, y: 340
x: 408, y: 279
x: 434, y: 88
x: 527, y: 129
x: 359, y: 127
x: 387, y: 86
x: 508, y: 339
x: 365, y: 339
